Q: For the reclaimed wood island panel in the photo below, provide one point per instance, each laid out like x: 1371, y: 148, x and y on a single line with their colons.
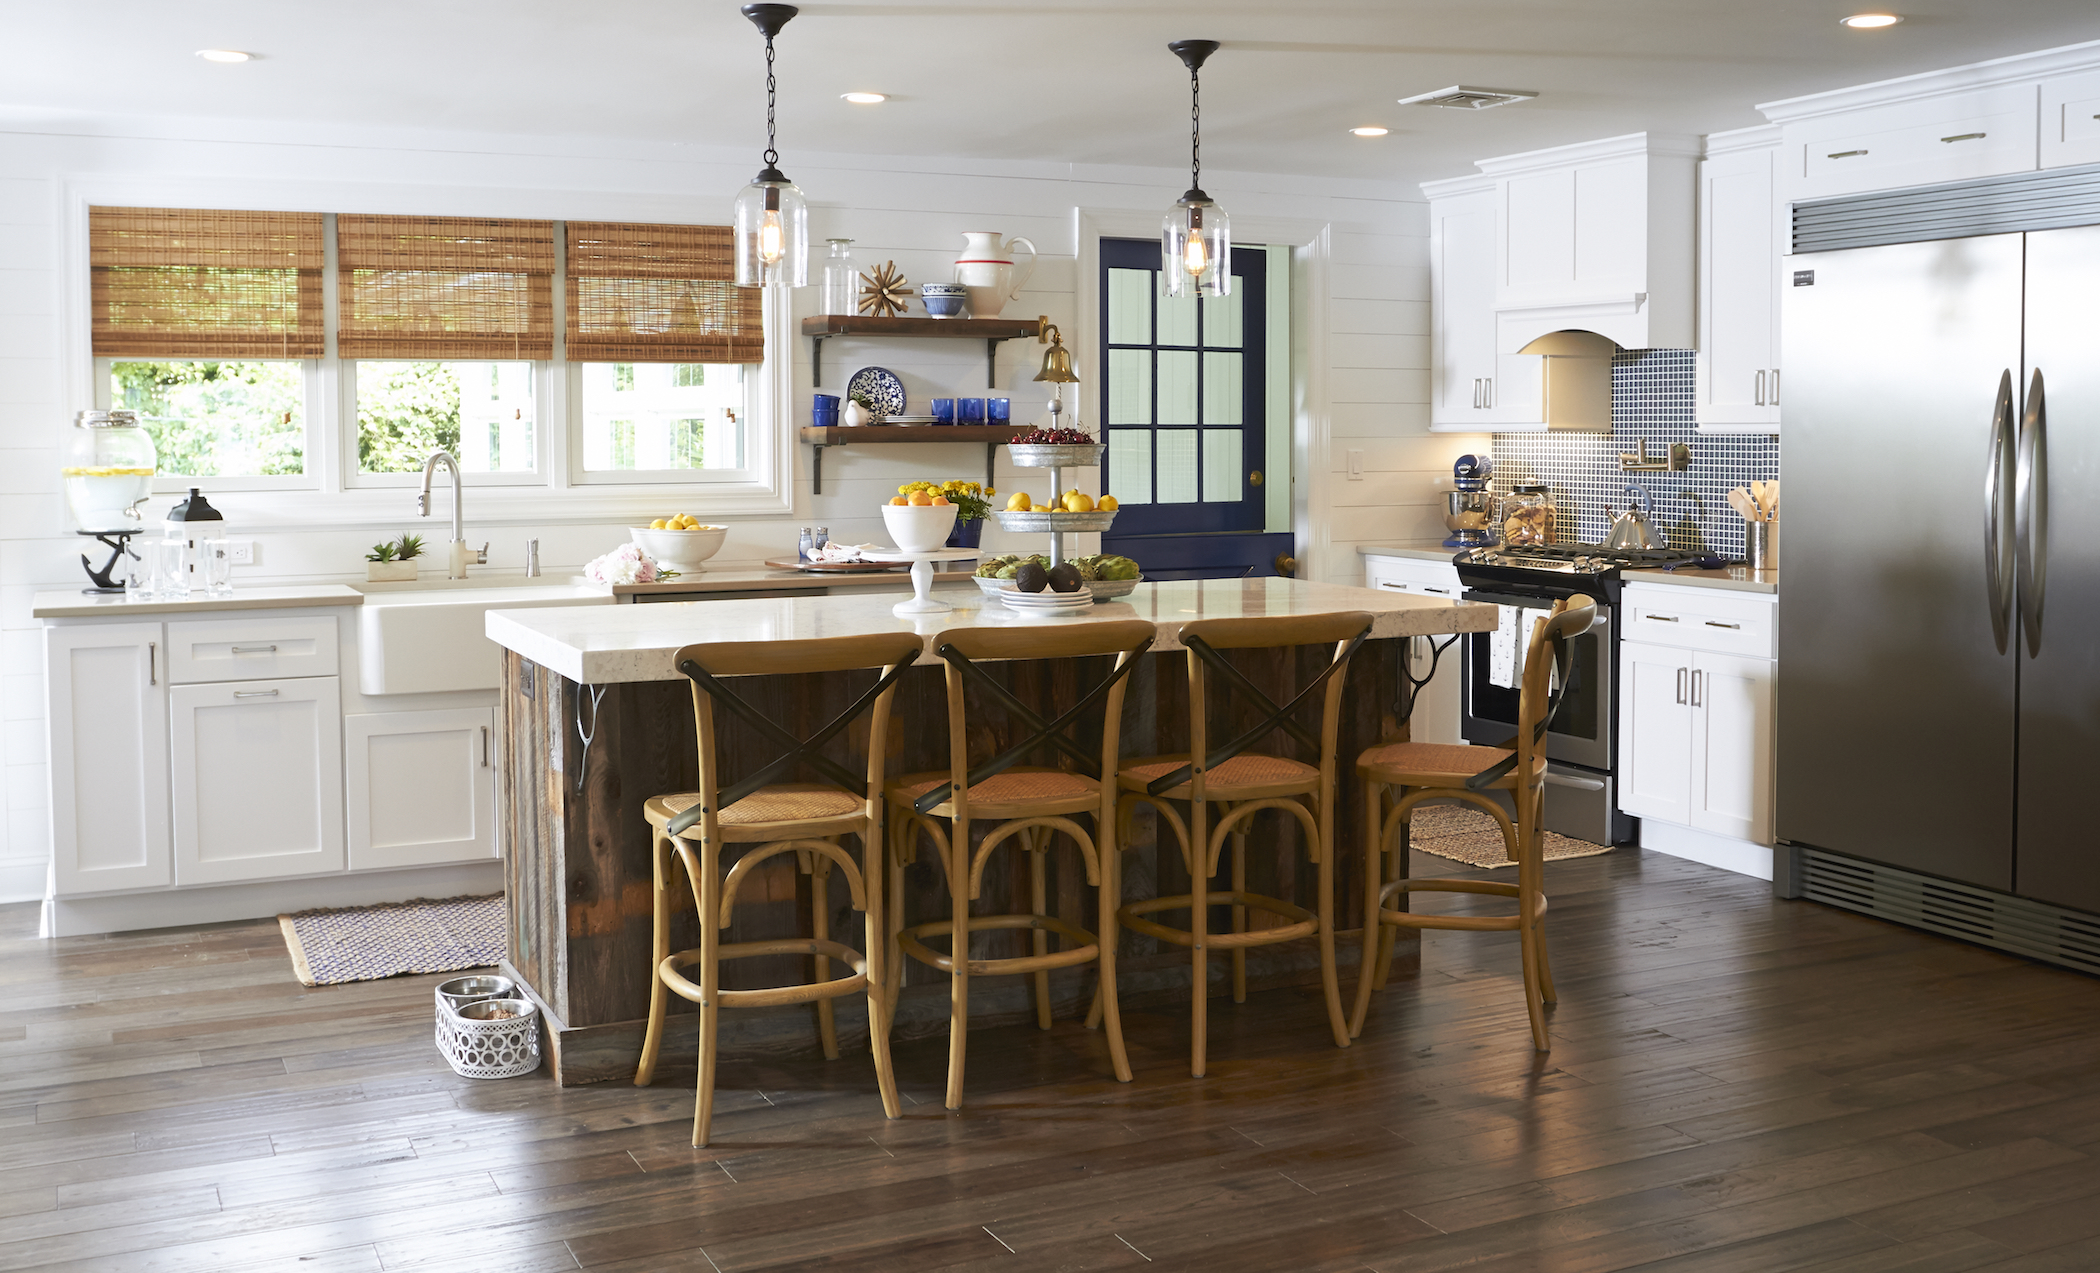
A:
x: 595, y: 720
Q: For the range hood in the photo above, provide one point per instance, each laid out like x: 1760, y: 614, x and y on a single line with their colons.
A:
x: 1574, y: 383
x: 1621, y: 321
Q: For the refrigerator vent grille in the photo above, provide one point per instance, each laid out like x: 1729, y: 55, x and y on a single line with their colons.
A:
x: 2053, y: 200
x: 2035, y: 929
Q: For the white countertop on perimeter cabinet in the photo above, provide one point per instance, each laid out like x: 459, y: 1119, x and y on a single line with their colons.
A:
x: 1419, y: 550
x: 79, y: 605
x: 1731, y: 578
x: 600, y: 644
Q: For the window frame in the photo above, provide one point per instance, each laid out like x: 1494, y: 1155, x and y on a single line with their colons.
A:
x: 331, y: 493
x: 546, y: 375
x: 705, y: 479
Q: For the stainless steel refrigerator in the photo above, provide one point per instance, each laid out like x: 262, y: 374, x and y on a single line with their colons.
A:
x: 1939, y: 609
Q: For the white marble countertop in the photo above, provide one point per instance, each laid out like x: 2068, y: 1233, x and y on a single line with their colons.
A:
x: 597, y: 645
x: 783, y: 581
x: 79, y: 605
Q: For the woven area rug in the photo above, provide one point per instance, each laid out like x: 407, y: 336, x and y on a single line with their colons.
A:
x: 366, y: 943
x: 1472, y: 837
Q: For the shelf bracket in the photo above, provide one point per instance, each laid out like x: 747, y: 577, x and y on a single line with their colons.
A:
x: 816, y: 469
x: 816, y: 364
x: 991, y: 362
x: 991, y: 455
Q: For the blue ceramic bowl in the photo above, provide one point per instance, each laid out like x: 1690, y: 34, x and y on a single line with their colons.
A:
x: 944, y: 300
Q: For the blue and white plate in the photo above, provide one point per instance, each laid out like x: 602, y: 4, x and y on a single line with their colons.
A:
x: 880, y: 386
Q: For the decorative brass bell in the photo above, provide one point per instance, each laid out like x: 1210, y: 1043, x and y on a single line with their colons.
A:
x: 1057, y: 363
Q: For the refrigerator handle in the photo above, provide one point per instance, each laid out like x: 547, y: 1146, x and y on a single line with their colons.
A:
x: 1998, y: 515
x: 2031, y: 512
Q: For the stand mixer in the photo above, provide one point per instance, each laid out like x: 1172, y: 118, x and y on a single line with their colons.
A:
x: 1469, y: 511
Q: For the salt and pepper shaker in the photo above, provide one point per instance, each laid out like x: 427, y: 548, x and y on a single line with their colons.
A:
x: 823, y: 537
x: 808, y: 543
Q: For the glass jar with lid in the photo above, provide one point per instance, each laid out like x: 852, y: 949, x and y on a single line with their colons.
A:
x: 108, y: 470
x: 1527, y: 516
x: 841, y: 279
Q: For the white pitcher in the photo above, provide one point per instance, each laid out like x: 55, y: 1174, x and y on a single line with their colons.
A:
x: 986, y: 267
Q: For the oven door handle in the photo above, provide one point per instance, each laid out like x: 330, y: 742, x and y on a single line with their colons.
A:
x: 1580, y: 784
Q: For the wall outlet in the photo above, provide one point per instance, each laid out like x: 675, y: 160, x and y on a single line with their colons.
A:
x: 241, y: 552
x: 1356, y: 465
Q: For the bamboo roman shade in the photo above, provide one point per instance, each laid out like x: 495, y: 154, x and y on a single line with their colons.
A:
x: 200, y: 283
x: 659, y: 293
x: 444, y: 287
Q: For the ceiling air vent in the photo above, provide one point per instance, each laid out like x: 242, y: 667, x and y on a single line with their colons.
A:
x: 1461, y: 97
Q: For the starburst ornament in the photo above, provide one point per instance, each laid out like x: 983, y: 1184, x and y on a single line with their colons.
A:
x: 884, y: 294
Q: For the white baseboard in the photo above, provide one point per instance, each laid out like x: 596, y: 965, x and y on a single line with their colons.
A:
x: 24, y: 880
x: 217, y: 903
x: 1744, y: 857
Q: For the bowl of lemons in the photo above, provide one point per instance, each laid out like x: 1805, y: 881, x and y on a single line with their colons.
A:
x: 1073, y: 510
x: 679, y: 543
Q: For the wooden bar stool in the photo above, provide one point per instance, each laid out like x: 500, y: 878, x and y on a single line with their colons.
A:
x: 1032, y: 805
x: 1246, y: 783
x: 803, y: 818
x: 1416, y: 772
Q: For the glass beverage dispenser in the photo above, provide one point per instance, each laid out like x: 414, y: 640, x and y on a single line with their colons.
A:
x: 108, y: 470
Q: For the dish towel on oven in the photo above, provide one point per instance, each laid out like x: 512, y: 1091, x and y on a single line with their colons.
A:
x: 1509, y: 643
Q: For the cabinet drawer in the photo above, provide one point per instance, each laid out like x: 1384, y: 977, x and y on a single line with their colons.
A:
x: 1950, y: 139
x: 251, y: 649
x: 1698, y: 619
x: 1407, y: 574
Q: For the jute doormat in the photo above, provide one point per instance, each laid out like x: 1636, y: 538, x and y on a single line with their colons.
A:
x: 1472, y: 837
x: 366, y: 943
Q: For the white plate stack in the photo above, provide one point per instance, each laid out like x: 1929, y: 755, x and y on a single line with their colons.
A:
x: 1048, y: 602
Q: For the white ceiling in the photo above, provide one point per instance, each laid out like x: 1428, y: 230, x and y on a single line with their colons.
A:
x: 1065, y: 80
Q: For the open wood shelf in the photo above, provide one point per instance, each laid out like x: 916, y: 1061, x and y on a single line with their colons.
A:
x: 993, y: 436
x: 989, y: 330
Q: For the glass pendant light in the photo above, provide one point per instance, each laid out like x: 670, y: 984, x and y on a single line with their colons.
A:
x: 772, y: 219
x: 1196, y: 237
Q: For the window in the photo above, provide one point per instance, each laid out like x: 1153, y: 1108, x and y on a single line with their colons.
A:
x: 643, y: 359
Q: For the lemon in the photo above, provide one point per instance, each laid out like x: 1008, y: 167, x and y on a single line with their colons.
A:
x: 659, y: 524
x: 1019, y: 502
x: 1107, y: 504
x: 1077, y: 501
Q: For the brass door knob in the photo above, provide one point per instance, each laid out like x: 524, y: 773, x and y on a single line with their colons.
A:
x: 1286, y: 565
x: 1254, y: 478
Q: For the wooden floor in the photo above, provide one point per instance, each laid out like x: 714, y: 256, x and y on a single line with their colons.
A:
x: 1736, y: 1084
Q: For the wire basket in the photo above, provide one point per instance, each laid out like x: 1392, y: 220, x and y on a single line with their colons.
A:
x: 1037, y: 520
x: 480, y: 1043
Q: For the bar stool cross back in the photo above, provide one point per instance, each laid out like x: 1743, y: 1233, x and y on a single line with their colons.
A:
x: 806, y: 819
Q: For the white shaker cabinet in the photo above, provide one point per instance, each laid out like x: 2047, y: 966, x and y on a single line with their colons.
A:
x: 257, y: 770
x: 421, y: 786
x: 1742, y: 238
x: 1695, y: 722
x: 2071, y: 120
x: 107, y: 717
x: 1473, y: 386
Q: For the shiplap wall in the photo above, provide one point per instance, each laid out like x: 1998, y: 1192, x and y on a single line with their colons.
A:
x: 1362, y: 378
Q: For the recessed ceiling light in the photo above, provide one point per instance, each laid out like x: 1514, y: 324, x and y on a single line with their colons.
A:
x: 865, y: 99
x: 1371, y: 131
x: 1868, y: 21
x: 223, y: 55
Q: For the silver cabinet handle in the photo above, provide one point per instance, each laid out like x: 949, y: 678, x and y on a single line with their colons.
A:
x: 1441, y: 592
x: 1998, y: 515
x: 1661, y: 618
x: 1390, y: 586
x: 1715, y: 623
x: 1845, y: 154
x: 1760, y: 388
x: 1775, y: 388
x: 1476, y: 393
x: 256, y: 693
x: 2031, y: 512
x: 1680, y: 684
x: 1491, y: 393
x: 255, y: 649
x: 1695, y: 687
x: 484, y: 746
x: 152, y: 662
x: 1964, y: 137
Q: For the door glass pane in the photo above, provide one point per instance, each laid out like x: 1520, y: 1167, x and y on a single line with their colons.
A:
x: 1177, y: 387
x: 1177, y: 319
x: 1221, y: 320
x: 1130, y: 465
x: 1222, y: 480
x: 1130, y: 386
x: 1222, y: 399
x: 1130, y: 307
x: 1177, y: 466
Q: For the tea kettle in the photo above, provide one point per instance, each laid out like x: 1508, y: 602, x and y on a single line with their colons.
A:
x: 1630, y: 529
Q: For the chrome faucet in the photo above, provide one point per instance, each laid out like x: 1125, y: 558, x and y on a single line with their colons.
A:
x: 456, y: 566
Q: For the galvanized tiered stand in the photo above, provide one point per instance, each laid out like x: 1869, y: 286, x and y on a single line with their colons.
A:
x: 1057, y: 457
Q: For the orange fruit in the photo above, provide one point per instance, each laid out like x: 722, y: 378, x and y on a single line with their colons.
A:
x: 920, y: 499
x: 899, y: 501
x: 940, y: 501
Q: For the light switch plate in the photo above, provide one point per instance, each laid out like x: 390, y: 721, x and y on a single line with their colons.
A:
x: 1356, y: 465
x: 241, y: 551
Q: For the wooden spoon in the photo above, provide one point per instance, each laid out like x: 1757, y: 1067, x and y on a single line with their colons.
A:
x: 1741, y: 501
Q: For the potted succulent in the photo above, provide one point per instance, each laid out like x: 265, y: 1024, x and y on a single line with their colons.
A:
x: 394, y: 561
x: 971, y: 501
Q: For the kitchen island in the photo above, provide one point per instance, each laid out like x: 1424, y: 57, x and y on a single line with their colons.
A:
x: 595, y: 719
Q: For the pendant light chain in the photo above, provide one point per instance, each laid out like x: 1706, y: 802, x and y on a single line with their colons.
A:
x: 772, y: 156
x: 1195, y: 128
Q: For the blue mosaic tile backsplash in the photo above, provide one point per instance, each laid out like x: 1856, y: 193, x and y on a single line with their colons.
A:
x: 1651, y: 399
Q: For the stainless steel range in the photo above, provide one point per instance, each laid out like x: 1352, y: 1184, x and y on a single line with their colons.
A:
x: 1581, y: 743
